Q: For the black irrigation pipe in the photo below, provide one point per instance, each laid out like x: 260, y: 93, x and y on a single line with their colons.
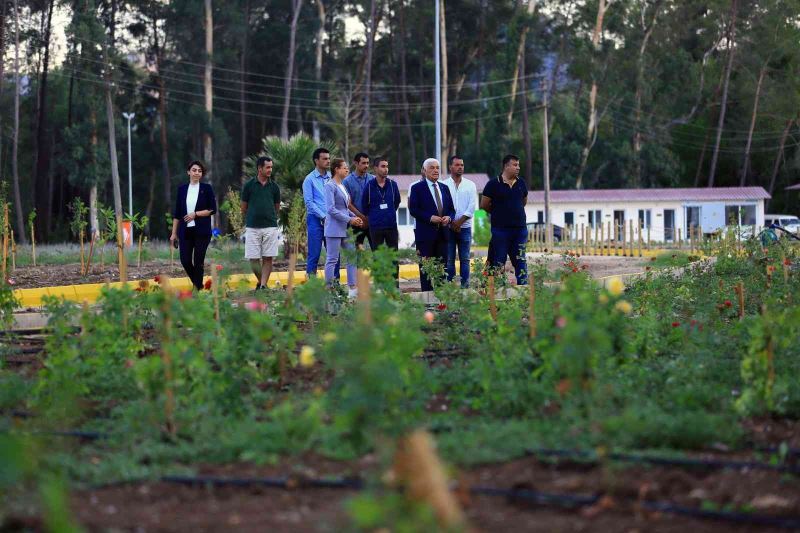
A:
x: 710, y: 464
x: 516, y: 495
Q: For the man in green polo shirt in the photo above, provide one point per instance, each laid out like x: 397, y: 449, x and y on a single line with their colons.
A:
x: 261, y: 202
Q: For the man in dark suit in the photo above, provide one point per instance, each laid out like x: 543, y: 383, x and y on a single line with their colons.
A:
x: 432, y: 207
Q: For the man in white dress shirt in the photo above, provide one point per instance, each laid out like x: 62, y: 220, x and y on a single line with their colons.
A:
x: 465, y: 198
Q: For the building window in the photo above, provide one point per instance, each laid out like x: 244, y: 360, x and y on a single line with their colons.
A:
x: 740, y: 215
x: 402, y: 216
x: 540, y: 217
x: 595, y: 217
x: 569, y: 219
x: 644, y: 218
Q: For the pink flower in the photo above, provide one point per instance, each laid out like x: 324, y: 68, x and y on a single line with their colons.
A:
x: 185, y: 294
x: 561, y: 322
x: 218, y: 267
x: 728, y: 303
x: 255, y: 305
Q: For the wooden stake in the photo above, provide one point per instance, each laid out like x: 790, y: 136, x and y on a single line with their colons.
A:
x: 623, y: 239
x: 492, y: 304
x: 364, y: 296
x: 783, y: 262
x: 531, y: 308
x: 13, y: 252
x: 639, y: 242
x: 91, y: 253
x: 418, y: 469
x: 601, y: 240
x: 648, y: 237
x: 171, y: 255
x: 215, y: 290
x: 630, y: 238
x: 290, y: 281
x: 740, y: 294
x: 5, y: 244
x: 166, y: 359
x: 121, y: 259
x: 33, y: 245
x: 83, y: 257
x: 139, y: 252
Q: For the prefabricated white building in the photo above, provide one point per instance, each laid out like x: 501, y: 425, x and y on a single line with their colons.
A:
x: 666, y: 213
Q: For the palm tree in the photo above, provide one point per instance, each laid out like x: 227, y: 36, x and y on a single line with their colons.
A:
x: 291, y: 160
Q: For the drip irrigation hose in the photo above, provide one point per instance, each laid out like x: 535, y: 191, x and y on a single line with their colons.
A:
x: 713, y: 464
x: 515, y: 495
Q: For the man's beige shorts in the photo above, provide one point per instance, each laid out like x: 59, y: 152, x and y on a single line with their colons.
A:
x: 260, y: 242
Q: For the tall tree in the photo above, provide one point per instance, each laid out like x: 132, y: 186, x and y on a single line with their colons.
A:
x: 15, y: 140
x: 726, y: 84
x: 208, y: 147
x: 370, y: 49
x: 297, y: 5
x: 42, y: 198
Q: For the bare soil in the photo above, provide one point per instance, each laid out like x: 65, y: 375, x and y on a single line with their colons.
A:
x: 161, y: 506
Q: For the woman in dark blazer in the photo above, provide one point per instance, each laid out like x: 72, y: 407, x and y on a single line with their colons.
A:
x: 191, y: 222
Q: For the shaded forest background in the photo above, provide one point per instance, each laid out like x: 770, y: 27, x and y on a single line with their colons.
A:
x: 656, y: 93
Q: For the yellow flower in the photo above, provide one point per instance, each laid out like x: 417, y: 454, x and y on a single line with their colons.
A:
x: 624, y: 307
x: 307, y: 356
x: 603, y: 298
x: 329, y: 336
x: 616, y: 286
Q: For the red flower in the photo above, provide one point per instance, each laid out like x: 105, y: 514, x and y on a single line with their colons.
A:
x: 676, y: 324
x: 693, y: 322
x: 441, y: 307
x: 700, y: 327
x: 157, y: 279
x: 218, y: 267
x: 770, y: 269
x: 728, y: 303
x: 574, y: 269
x: 207, y: 284
x: 185, y: 294
x: 787, y: 261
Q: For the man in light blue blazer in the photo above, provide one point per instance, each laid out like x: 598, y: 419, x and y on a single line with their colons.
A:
x: 338, y: 216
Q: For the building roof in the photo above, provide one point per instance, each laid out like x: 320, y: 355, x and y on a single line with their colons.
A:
x: 699, y: 194
x: 404, y: 181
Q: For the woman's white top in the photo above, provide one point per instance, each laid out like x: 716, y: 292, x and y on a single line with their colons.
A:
x: 344, y: 190
x: 191, y: 200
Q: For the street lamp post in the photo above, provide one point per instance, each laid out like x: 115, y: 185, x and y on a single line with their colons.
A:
x: 129, y: 117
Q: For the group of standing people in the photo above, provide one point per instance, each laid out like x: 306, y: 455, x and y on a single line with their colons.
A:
x: 338, y: 199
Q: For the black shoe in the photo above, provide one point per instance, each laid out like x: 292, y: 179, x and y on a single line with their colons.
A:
x: 260, y: 288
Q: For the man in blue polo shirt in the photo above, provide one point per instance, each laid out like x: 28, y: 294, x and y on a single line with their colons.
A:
x: 380, y: 200
x: 355, y: 183
x: 505, y: 198
x: 314, y: 198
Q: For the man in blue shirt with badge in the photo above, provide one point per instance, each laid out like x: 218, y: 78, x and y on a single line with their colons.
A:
x: 505, y: 198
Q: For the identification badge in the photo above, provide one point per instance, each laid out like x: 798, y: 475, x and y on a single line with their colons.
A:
x: 384, y: 206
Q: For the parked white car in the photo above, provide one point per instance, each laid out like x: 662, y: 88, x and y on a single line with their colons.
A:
x: 789, y: 222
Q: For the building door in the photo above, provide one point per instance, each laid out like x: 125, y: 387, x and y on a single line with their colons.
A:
x: 692, y: 219
x: 619, y: 223
x: 569, y: 222
x: 669, y: 225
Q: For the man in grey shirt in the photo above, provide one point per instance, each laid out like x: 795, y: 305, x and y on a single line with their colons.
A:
x: 355, y: 183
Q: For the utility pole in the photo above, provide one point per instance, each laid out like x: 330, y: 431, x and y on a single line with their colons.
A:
x: 546, y: 169
x: 438, y: 83
x: 129, y: 117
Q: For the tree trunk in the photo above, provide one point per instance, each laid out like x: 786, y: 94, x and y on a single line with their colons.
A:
x: 15, y: 145
x: 208, y: 146
x: 112, y: 150
x: 778, y: 160
x: 401, y: 45
x: 373, y: 23
x: 723, y: 106
x: 526, y: 129
x: 39, y: 178
x: 2, y: 83
x: 242, y: 90
x: 297, y: 5
x: 592, y: 126
x: 520, y: 52
x: 637, y: 133
x: 746, y: 164
x: 94, y: 222
x: 162, y: 117
x: 318, y: 68
x: 445, y: 82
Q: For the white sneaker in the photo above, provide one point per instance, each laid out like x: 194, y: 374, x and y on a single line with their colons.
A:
x: 352, y: 293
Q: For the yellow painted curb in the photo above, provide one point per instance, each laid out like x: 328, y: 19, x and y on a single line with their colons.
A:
x: 90, y: 292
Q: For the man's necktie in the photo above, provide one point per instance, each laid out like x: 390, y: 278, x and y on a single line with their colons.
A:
x: 438, y: 198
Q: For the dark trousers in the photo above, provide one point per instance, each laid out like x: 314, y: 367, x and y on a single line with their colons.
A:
x: 510, y: 242
x: 436, y: 249
x: 362, y: 235
x: 388, y: 237
x: 461, y: 240
x: 193, y: 252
